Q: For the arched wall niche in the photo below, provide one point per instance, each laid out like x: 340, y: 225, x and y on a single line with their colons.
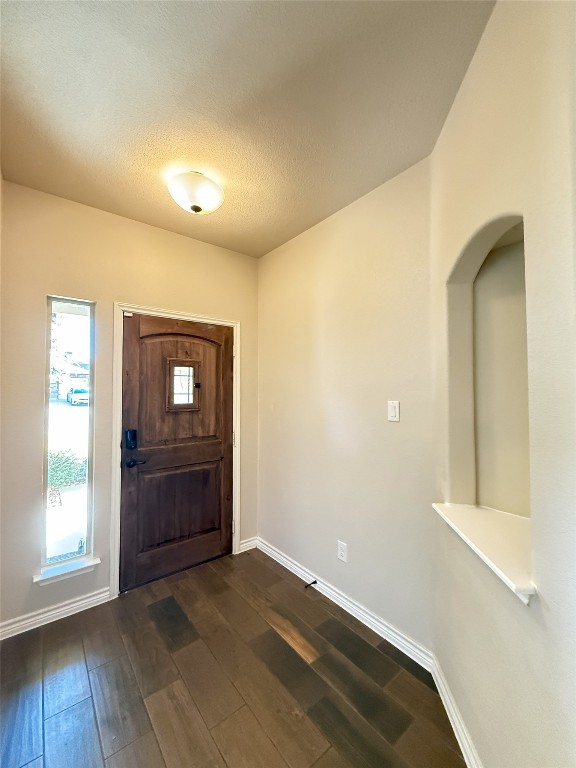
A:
x: 480, y: 244
x: 462, y: 480
x: 501, y: 538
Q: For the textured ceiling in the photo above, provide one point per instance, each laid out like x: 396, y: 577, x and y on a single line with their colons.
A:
x: 295, y: 108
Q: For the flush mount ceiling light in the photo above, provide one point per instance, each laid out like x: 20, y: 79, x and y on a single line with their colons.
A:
x: 195, y: 192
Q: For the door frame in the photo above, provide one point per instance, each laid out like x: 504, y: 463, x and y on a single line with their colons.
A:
x: 120, y: 308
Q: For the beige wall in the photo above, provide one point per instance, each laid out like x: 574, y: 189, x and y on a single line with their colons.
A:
x: 53, y: 246
x: 508, y: 148
x: 501, y: 382
x: 344, y: 327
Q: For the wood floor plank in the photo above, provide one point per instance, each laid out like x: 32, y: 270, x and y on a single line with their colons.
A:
x: 258, y: 597
x: 296, y: 632
x: 142, y: 753
x: 420, y: 701
x: 292, y: 671
x: 378, y: 708
x: 302, y: 638
x: 244, y: 744
x: 183, y: 737
x: 21, y: 655
x: 102, y: 647
x: 157, y: 590
x: 130, y: 610
x: 350, y: 621
x: 192, y: 598
x: 237, y: 611
x: 174, y: 577
x: 281, y: 595
x: 239, y: 614
x: 227, y: 565
x: 351, y: 735
x: 152, y: 664
x: 120, y: 712
x: 360, y: 652
x: 408, y: 664
x: 100, y: 634
x: 208, y: 580
x: 279, y: 617
x: 66, y: 627
x: 65, y: 674
x: 282, y: 615
x: 284, y: 573
x: 21, y: 698
x: 294, y: 736
x: 21, y: 718
x: 71, y: 739
x: 96, y: 619
x: 212, y: 691
x: 258, y: 570
x: 172, y: 623
x: 297, y: 599
x: 332, y: 759
x: 299, y: 635
x: 423, y: 747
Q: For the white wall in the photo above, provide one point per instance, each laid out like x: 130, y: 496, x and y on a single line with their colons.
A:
x: 53, y: 246
x: 344, y: 327
x: 508, y: 148
x: 501, y: 382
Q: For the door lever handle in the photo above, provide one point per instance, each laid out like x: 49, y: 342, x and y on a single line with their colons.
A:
x: 134, y: 462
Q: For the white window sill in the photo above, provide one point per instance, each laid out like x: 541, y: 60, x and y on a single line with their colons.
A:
x: 65, y: 570
x: 502, y: 540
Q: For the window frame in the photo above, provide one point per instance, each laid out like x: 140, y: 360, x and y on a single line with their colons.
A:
x: 178, y: 362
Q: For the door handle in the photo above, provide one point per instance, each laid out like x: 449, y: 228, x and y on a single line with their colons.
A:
x: 134, y: 462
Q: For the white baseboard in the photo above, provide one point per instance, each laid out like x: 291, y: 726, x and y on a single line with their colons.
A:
x: 403, y: 642
x: 46, y: 615
x: 471, y: 757
x: 246, y: 544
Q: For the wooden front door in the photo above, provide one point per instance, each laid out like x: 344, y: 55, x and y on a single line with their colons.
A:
x: 176, y: 508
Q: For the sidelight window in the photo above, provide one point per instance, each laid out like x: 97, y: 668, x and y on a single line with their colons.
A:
x: 68, y: 443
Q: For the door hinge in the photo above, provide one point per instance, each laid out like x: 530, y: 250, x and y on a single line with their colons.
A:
x: 233, y: 527
x: 234, y: 439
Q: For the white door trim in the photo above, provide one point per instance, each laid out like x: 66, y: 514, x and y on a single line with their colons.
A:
x: 119, y: 309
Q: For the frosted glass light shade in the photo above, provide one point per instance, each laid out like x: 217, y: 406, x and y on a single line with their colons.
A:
x: 195, y: 192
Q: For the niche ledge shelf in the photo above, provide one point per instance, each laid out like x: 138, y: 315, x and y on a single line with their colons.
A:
x: 502, y: 540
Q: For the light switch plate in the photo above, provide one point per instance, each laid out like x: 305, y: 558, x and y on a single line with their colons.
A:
x: 393, y: 410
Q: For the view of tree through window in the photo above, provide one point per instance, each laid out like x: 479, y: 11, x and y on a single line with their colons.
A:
x: 67, y: 484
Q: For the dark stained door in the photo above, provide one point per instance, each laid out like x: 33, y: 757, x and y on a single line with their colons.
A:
x: 176, y: 508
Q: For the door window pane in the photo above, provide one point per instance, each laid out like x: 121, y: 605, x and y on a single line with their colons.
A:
x: 182, y: 385
x: 69, y: 434
x: 183, y: 382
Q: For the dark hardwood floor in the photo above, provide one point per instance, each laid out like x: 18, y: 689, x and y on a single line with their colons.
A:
x: 231, y: 664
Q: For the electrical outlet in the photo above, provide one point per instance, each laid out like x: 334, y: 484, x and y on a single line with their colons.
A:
x: 342, y: 551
